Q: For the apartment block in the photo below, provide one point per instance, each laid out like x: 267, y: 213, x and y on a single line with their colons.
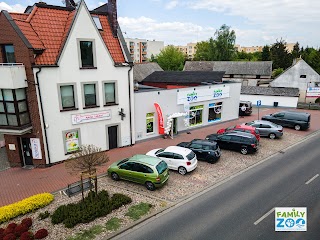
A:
x: 141, y: 49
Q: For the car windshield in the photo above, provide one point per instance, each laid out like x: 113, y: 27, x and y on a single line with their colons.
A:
x: 161, y: 167
x: 191, y: 155
x: 159, y: 151
x: 122, y: 161
x: 249, y: 123
x: 273, y: 125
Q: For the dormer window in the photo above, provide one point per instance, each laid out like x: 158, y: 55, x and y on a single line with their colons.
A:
x: 303, y: 76
x: 96, y: 20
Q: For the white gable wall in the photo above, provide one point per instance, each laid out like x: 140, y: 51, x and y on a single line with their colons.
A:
x: 269, y: 100
x: 291, y: 78
x: 69, y: 72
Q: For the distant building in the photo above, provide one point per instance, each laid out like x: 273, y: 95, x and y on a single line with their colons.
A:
x: 188, y: 50
x: 300, y: 75
x: 253, y: 49
x: 141, y: 49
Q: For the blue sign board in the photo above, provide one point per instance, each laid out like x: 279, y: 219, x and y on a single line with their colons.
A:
x: 259, y: 103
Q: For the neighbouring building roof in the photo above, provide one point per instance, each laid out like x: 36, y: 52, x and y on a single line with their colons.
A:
x: 142, y: 70
x: 47, y: 27
x: 178, y: 77
x: 262, y: 68
x: 270, y: 91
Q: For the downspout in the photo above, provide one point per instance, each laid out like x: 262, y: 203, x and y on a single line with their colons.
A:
x: 130, y: 118
x: 41, y: 108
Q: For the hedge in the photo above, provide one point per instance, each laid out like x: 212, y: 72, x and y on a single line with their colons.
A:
x: 25, y: 206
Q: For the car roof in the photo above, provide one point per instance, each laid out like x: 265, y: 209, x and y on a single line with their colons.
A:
x: 149, y: 160
x: 242, y: 134
x: 203, y: 141
x: 245, y: 127
x: 263, y: 121
x: 178, y: 150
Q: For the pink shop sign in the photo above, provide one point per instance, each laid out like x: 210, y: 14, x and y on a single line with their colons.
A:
x: 90, y: 117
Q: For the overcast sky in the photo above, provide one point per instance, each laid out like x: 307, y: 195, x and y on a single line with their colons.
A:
x: 179, y: 22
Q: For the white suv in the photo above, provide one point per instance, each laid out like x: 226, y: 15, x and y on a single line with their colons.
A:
x: 177, y: 158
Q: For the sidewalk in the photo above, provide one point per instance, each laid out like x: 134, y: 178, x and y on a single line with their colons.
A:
x: 18, y: 183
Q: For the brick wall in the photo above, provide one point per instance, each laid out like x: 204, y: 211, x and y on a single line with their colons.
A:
x: 22, y: 55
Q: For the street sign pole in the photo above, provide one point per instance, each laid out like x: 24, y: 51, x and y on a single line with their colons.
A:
x: 258, y: 105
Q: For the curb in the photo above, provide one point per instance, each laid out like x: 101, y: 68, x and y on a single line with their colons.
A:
x: 206, y: 189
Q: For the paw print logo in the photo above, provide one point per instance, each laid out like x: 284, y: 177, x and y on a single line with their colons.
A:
x: 289, y: 222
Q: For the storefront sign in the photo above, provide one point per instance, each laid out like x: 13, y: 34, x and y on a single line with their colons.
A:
x: 90, y: 117
x: 160, y: 118
x: 313, y: 92
x: 36, y: 148
x: 192, y: 96
x: 72, y: 141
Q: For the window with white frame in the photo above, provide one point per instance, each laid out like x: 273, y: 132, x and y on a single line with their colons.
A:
x: 90, y: 96
x: 150, y: 123
x: 109, y: 93
x: 215, y: 110
x: 67, y: 97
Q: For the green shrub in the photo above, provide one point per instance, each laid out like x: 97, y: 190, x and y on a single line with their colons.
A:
x: 43, y: 215
x: 25, y: 206
x: 92, y: 207
x: 119, y: 199
x: 135, y: 212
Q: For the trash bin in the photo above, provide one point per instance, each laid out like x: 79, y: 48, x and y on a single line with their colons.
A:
x: 275, y: 104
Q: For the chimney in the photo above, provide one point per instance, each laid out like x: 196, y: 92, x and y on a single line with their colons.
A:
x: 112, y: 13
x: 70, y: 3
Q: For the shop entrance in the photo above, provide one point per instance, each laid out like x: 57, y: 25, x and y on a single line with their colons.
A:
x: 174, y: 126
x: 26, y: 151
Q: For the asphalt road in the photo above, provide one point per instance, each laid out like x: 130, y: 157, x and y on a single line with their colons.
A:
x: 241, y: 208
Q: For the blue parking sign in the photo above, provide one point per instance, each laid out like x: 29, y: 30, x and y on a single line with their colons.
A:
x: 259, y: 103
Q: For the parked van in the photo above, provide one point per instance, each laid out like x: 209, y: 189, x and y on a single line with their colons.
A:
x: 296, y: 120
x: 245, y: 108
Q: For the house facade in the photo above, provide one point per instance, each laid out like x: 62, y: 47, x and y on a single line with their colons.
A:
x: 81, y: 82
x: 300, y: 75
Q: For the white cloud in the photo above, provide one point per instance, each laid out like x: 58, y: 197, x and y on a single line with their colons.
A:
x: 177, y: 33
x: 12, y: 8
x: 172, y: 4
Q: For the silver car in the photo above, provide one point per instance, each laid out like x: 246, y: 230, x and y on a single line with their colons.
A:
x: 267, y: 129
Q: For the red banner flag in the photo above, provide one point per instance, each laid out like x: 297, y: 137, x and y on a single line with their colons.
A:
x: 160, y: 118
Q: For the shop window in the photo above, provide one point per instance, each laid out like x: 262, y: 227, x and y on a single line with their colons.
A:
x: 195, y: 115
x: 67, y: 97
x: 13, y: 108
x: 8, y: 53
x: 71, y: 140
x: 215, y: 110
x: 90, y: 97
x: 150, y: 123
x: 110, y: 93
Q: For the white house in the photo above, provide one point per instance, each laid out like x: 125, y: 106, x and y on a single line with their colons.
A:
x: 302, y: 76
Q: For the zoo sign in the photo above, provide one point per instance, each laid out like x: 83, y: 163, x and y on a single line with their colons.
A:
x: 199, y: 95
x: 289, y: 219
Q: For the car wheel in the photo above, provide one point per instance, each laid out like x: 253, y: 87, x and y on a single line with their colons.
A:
x: 115, y: 176
x: 182, y: 170
x: 297, y: 127
x: 244, y: 150
x: 272, y: 136
x: 150, y: 186
x: 211, y: 160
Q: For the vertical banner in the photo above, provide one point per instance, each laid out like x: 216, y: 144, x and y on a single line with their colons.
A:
x: 35, y: 148
x: 160, y: 118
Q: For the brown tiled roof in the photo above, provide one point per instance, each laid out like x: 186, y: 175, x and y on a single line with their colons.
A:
x: 47, y: 28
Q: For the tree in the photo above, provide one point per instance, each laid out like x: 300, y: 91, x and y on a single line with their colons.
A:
x: 153, y: 58
x: 296, y: 51
x: 280, y: 55
x: 277, y: 72
x: 265, y: 55
x: 202, y: 52
x: 85, y: 161
x: 171, y: 59
x: 224, y: 43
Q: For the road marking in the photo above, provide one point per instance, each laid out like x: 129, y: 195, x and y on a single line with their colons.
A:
x: 311, y: 179
x: 264, y: 216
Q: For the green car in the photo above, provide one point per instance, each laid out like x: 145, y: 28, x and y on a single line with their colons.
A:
x: 150, y: 171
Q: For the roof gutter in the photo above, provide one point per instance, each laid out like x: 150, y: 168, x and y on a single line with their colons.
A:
x: 43, y: 119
